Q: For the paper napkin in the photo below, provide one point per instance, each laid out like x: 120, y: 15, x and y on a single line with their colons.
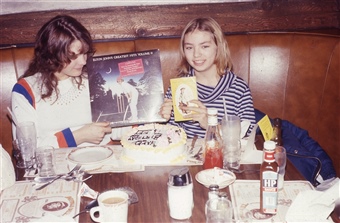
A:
x: 313, y: 206
x: 250, y: 154
x: 7, y: 174
x: 53, y: 218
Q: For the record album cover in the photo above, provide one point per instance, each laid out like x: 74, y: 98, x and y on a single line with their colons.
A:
x: 126, y: 89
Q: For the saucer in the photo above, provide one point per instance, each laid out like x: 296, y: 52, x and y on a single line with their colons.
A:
x: 221, y: 177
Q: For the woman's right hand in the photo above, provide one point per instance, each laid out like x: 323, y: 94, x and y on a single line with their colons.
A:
x: 92, y: 133
x: 166, y: 108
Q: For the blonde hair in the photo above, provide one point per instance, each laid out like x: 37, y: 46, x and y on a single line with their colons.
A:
x: 222, y: 60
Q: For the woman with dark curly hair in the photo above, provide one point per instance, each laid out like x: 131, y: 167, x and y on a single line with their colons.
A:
x: 54, y: 90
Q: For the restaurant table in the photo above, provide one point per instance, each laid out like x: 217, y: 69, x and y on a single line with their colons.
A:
x: 150, y: 186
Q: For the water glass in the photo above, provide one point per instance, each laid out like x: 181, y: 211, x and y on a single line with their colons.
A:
x: 218, y: 210
x: 27, y: 130
x: 231, y: 127
x: 232, y: 154
x: 45, y: 161
x: 281, y: 159
x: 23, y: 152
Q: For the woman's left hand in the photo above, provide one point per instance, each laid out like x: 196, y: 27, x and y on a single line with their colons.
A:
x: 198, y: 113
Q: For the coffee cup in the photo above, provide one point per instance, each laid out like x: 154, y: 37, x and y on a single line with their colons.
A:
x: 112, y: 207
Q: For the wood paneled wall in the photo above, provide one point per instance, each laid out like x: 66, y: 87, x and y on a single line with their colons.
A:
x: 131, y: 22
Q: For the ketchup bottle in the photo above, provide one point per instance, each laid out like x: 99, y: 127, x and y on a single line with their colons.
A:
x: 213, y: 154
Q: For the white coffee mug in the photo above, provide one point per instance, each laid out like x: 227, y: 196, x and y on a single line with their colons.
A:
x: 113, y: 207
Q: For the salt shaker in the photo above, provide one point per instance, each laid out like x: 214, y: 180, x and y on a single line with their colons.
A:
x: 180, y: 193
x: 213, y: 191
x: 219, y: 209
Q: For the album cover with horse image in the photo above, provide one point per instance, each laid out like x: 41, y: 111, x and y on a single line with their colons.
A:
x: 126, y: 89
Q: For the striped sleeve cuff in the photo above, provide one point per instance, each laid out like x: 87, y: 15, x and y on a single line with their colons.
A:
x: 65, y: 138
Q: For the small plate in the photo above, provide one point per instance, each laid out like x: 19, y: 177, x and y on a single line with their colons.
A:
x: 221, y: 177
x: 90, y: 155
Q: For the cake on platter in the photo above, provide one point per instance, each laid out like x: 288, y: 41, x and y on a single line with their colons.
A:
x: 154, y: 144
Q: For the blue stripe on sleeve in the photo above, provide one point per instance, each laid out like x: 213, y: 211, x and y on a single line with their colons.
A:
x: 23, y: 91
x: 69, y: 137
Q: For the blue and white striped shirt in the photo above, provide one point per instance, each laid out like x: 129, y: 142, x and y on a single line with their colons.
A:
x: 231, y: 89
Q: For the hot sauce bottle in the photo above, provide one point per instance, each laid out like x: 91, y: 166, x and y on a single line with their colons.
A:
x: 213, y: 155
x: 277, y: 135
x: 268, y: 180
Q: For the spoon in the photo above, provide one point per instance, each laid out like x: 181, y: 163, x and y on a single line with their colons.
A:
x: 76, y: 168
x: 90, y: 205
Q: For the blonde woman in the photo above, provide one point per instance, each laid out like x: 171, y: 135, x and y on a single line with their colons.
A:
x: 205, y: 54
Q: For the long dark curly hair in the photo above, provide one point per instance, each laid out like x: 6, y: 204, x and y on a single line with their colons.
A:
x: 52, y: 50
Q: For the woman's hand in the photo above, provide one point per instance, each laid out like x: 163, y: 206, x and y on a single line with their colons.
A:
x: 198, y: 113
x: 166, y: 108
x: 92, y: 133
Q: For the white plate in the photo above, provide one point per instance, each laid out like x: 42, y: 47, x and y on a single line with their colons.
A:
x: 221, y: 177
x: 90, y: 155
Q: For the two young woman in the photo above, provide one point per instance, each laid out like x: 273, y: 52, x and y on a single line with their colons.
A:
x: 54, y: 91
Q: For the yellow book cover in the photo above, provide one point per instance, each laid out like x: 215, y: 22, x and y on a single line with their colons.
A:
x: 183, y: 90
x: 266, y: 128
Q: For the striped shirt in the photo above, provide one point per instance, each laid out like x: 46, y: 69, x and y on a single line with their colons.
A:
x: 231, y: 89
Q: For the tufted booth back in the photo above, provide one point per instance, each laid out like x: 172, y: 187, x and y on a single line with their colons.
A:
x: 294, y: 76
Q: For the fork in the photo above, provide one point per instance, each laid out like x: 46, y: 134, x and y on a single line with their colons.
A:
x: 75, y: 169
x: 192, y: 146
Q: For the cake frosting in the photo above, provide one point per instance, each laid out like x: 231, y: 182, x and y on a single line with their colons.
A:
x: 154, y: 144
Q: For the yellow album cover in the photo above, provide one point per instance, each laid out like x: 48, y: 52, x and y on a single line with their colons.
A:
x: 183, y: 90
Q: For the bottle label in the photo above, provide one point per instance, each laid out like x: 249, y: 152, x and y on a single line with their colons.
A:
x: 269, y: 192
x: 269, y: 156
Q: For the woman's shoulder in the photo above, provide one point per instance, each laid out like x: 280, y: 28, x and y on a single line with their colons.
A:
x: 31, y: 80
x: 236, y: 79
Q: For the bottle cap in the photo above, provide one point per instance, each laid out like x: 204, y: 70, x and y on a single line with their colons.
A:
x: 277, y: 121
x: 180, y: 177
x: 212, y: 111
x: 269, y: 145
x: 223, y: 194
x: 212, y: 116
x: 214, y: 187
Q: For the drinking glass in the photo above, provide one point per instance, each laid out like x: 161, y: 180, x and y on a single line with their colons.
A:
x: 23, y: 152
x: 231, y: 127
x: 232, y: 154
x: 218, y: 210
x: 281, y: 159
x: 45, y: 161
x: 27, y: 130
